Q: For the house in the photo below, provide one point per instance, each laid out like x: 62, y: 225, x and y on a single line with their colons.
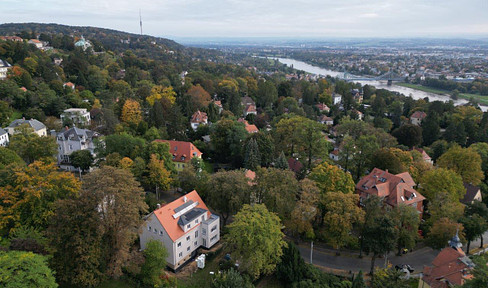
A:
x: 451, y: 267
x: 182, y: 226
x: 78, y: 116
x: 71, y: 140
x: 326, y: 120
x: 357, y: 95
x: 394, y: 189
x: 425, y: 156
x: 334, y: 155
x: 83, y: 44
x: 11, y: 38
x: 473, y: 193
x: 336, y: 98
x: 218, y: 103
x: 37, y: 43
x: 323, y: 108
x: 4, y: 66
x: 3, y: 137
x: 198, y: 118
x: 250, y: 128
x: 359, y: 114
x: 70, y: 85
x: 57, y: 61
x: 39, y: 128
x: 251, y: 177
x: 182, y: 153
x: 249, y: 106
x: 417, y: 117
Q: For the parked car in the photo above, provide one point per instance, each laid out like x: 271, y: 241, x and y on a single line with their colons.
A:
x: 404, y: 266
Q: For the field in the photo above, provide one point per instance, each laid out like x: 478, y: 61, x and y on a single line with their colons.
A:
x: 467, y: 96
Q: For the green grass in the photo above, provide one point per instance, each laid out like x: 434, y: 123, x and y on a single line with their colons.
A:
x: 202, y: 276
x: 467, y: 96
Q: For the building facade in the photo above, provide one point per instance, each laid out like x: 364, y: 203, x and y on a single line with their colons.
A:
x: 198, y: 118
x: 78, y: 116
x: 38, y: 127
x: 71, y: 140
x: 182, y: 226
x: 4, y: 66
x: 3, y: 138
x: 182, y: 153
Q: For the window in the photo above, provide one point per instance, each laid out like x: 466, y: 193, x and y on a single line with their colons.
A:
x: 188, y: 226
x: 188, y: 248
x: 161, y: 232
x: 149, y: 228
x: 196, y: 234
x: 196, y: 221
x: 213, y: 228
x: 204, y: 231
x: 203, y: 218
x: 179, y: 244
x: 213, y: 238
x: 188, y: 238
x: 181, y: 254
x: 196, y: 243
x: 204, y: 242
x: 155, y: 231
x: 70, y: 147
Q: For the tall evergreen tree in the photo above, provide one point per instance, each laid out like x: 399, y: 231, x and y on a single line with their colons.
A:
x: 252, y: 158
x: 281, y: 162
x: 358, y: 282
x: 431, y: 130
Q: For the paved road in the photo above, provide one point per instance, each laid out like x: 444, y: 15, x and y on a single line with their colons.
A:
x: 327, y: 258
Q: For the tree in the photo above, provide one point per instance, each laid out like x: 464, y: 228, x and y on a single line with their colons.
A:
x: 409, y: 135
x: 285, y: 136
x: 385, y: 159
x: 27, y: 198
x: 442, y: 181
x: 292, y: 266
x: 164, y: 94
x: 82, y: 159
x: 227, y: 137
x: 199, y: 97
x: 365, y: 146
x: 230, y: 190
x: 22, y: 269
x: 407, y: 220
x: 480, y: 209
x: 257, y: 239
x: 266, y: 147
x: 267, y: 94
x: 131, y: 112
x: 311, y: 143
x: 389, y: 277
x: 474, y: 226
x: 442, y: 231
x: 480, y: 273
x: 8, y: 156
x: 155, y: 261
x: 340, y: 212
x: 306, y: 210
x: 158, y: 175
x: 380, y: 238
x: 431, y: 130
x: 358, y: 282
x: 372, y: 210
x: 330, y: 178
x: 231, y: 279
x: 252, y: 158
x: 277, y: 189
x: 30, y: 146
x: 120, y: 202
x: 464, y: 161
x: 281, y: 162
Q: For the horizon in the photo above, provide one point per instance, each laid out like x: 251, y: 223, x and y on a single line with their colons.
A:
x: 264, y: 18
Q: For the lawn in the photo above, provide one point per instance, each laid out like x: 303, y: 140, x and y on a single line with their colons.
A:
x: 467, y: 96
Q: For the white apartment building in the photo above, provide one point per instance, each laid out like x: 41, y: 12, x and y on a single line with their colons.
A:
x: 4, y: 66
x: 183, y: 226
x: 72, y: 140
x: 79, y: 116
x: 3, y: 138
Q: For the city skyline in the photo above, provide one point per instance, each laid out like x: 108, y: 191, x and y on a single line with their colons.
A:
x: 266, y: 18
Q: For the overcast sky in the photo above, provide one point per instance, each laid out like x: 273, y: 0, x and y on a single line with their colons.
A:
x: 261, y: 18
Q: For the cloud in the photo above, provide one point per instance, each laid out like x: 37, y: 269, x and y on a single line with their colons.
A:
x: 288, y: 18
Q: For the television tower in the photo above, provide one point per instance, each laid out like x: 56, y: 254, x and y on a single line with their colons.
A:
x: 140, y: 20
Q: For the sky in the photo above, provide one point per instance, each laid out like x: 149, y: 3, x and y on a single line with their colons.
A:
x: 263, y: 18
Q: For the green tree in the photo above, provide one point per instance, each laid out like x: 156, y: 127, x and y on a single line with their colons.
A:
x: 312, y: 144
x: 464, y: 161
x: 25, y: 269
x: 281, y: 162
x: 358, y: 281
x: 389, y: 277
x: 474, y: 226
x: 380, y: 238
x: 480, y: 273
x: 266, y: 146
x: 227, y: 137
x: 407, y: 220
x: 256, y: 237
x: 442, y: 231
x: 230, y: 190
x: 30, y: 146
x: 372, y: 210
x: 82, y: 159
x: 480, y: 209
x: 267, y: 94
x: 431, y: 129
x: 231, y: 279
x: 252, y: 158
x: 409, y: 135
x: 292, y: 266
x: 385, y: 159
x: 154, y: 264
x: 8, y: 156
x: 442, y: 181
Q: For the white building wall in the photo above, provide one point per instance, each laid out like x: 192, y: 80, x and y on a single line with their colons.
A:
x: 4, y: 140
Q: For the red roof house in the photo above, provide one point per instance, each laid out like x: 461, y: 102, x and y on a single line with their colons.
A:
x: 250, y: 128
x: 182, y: 152
x: 198, y: 118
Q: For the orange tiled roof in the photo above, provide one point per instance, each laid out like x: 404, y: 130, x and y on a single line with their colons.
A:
x: 397, y: 189
x: 448, y: 267
x: 165, y: 214
x: 250, y: 128
x: 251, y: 176
x: 199, y: 117
x: 182, y: 151
x: 419, y: 115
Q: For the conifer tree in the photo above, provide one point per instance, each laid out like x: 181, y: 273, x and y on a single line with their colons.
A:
x: 281, y: 162
x: 252, y: 158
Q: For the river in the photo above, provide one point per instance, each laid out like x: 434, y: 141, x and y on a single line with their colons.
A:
x: 416, y: 94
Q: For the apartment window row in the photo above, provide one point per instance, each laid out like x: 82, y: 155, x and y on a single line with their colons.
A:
x: 213, y: 238
x: 213, y: 228
x: 149, y: 228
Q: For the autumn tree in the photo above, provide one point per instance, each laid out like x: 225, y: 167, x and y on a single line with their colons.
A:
x: 306, y: 209
x: 442, y: 231
x: 464, y: 161
x: 23, y: 269
x: 442, y: 181
x: 131, y: 112
x: 256, y: 239
x: 285, y: 136
x: 30, y: 146
x: 28, y: 197
x: 199, y: 98
x: 158, y: 176
x: 330, y: 178
x: 230, y: 190
x: 340, y: 214
x: 164, y: 94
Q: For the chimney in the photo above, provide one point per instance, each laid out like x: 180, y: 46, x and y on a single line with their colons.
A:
x: 158, y: 206
x: 184, y: 199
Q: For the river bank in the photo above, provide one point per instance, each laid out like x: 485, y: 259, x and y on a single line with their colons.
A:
x: 482, y: 99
